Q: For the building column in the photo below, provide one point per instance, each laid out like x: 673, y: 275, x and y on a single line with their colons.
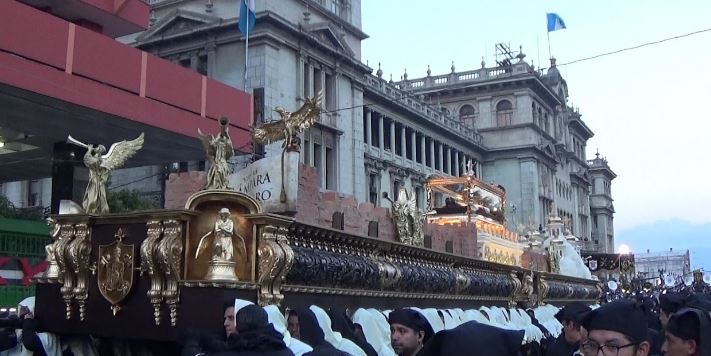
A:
x: 413, y: 145
x: 449, y: 160
x: 403, y: 142
x: 381, y: 132
x: 456, y: 164
x: 432, y: 153
x: 392, y: 136
x: 440, y: 152
x: 368, y: 126
x: 67, y: 163
x: 423, y: 150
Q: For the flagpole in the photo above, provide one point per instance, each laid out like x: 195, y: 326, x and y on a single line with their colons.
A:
x: 246, y: 49
x: 548, y: 35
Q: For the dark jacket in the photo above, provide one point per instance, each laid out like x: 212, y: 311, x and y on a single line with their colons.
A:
x: 560, y: 347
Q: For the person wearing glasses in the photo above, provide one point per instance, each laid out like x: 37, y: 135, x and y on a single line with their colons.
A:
x: 618, y: 328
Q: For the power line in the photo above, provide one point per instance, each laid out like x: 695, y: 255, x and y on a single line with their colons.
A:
x: 635, y: 47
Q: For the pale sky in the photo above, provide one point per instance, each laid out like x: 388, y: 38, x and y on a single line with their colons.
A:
x: 647, y: 107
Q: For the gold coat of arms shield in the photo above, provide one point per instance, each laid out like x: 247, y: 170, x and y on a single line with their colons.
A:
x: 115, y: 271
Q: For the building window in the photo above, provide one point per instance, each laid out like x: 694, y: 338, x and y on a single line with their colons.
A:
x: 373, y: 229
x: 467, y: 115
x: 428, y: 241
x: 419, y: 198
x: 373, y: 184
x: 449, y: 247
x: 330, y: 93
x: 330, y: 168
x: 307, y: 80
x: 33, y: 193
x: 337, y: 221
x: 504, y: 113
x: 202, y: 65
x: 396, y: 189
x: 318, y: 163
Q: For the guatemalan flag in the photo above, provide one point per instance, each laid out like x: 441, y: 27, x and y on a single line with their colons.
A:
x: 246, y: 16
x: 554, y: 22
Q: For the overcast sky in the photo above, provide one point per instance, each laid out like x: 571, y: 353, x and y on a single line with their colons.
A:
x: 648, y: 107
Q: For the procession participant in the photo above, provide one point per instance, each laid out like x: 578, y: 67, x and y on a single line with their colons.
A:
x: 616, y: 328
x: 569, y: 340
x: 668, y: 304
x: 369, y: 323
x: 699, y: 301
x: 342, y: 324
x: 409, y: 331
x: 687, y: 334
x: 335, y: 338
x: 279, y: 322
x: 293, y: 324
x: 474, y: 338
x: 196, y: 342
x: 312, y: 334
x: 254, y: 335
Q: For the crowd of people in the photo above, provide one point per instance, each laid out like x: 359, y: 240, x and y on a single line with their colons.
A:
x: 671, y: 325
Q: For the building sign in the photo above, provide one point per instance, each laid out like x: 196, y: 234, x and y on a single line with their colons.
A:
x: 262, y: 180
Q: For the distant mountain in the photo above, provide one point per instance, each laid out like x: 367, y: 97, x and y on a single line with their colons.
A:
x: 677, y: 234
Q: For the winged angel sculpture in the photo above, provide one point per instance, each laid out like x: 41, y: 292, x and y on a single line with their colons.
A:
x: 407, y: 218
x: 290, y: 125
x: 218, y: 150
x: 100, y: 164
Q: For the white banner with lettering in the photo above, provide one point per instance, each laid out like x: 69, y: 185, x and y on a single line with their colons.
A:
x: 262, y: 181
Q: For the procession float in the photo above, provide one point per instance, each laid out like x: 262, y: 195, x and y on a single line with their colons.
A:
x: 149, y: 275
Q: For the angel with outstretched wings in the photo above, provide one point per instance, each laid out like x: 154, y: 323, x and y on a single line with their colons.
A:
x: 100, y: 164
x: 218, y: 150
x: 291, y: 124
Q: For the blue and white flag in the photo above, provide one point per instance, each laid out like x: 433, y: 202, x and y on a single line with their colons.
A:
x: 555, y: 22
x: 247, y: 16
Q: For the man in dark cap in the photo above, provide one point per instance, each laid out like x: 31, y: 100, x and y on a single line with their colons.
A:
x: 684, y: 334
x: 474, y: 338
x: 699, y: 301
x: 669, y: 303
x: 569, y: 340
x: 409, y: 331
x: 618, y: 328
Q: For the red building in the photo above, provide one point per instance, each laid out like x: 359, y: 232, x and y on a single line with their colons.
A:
x: 62, y: 72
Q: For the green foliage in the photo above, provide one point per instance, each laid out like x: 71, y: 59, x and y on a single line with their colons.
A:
x: 8, y: 210
x: 123, y: 201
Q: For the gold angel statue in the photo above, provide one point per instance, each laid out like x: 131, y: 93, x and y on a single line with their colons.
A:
x: 100, y: 164
x: 407, y: 218
x: 222, y: 261
x: 290, y: 125
x: 218, y: 150
x: 222, y: 235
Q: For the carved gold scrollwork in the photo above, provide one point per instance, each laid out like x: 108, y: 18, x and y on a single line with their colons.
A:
x: 275, y: 258
x: 516, y: 291
x: 542, y: 290
x: 66, y: 271
x: 52, y: 271
x: 170, y: 259
x: 150, y: 265
x: 79, y: 254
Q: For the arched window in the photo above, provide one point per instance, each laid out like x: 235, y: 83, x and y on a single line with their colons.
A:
x: 467, y: 115
x: 504, y: 113
x: 467, y: 111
